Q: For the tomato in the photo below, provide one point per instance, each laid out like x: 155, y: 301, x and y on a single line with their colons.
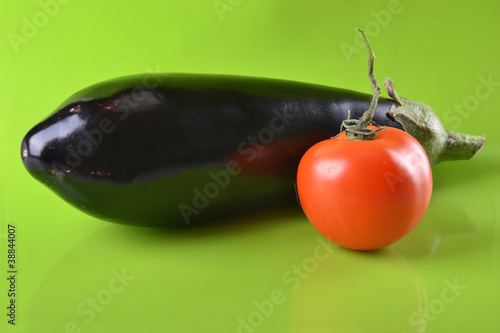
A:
x: 365, y: 195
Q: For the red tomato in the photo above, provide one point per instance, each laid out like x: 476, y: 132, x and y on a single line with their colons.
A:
x: 365, y: 195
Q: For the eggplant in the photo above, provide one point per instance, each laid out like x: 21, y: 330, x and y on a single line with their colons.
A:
x: 174, y: 149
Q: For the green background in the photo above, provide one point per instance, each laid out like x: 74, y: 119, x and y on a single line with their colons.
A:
x: 269, y: 272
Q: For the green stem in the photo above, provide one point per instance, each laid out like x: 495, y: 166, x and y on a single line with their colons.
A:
x: 368, y: 115
x: 420, y: 121
x: 357, y: 129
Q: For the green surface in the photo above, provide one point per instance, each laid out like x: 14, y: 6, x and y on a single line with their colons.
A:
x: 270, y: 272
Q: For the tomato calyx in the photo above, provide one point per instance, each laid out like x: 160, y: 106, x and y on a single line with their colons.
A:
x: 356, y: 130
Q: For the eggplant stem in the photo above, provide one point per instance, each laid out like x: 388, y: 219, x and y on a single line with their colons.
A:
x: 420, y: 121
x: 391, y: 91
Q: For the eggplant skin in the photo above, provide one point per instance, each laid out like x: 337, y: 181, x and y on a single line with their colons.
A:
x: 174, y: 149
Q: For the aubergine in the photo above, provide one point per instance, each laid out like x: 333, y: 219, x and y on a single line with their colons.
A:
x: 173, y: 149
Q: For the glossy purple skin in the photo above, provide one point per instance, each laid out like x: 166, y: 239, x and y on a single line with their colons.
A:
x: 173, y: 149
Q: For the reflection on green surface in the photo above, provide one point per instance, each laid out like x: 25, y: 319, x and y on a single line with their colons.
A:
x: 360, y: 292
x: 207, y: 276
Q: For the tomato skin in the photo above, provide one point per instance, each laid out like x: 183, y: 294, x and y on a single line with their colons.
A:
x: 365, y: 195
